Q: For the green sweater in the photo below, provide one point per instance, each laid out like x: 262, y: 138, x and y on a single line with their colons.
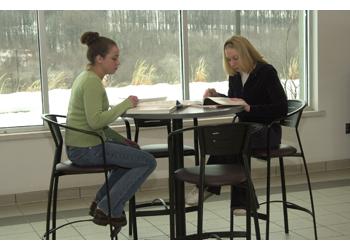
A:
x: 89, y: 110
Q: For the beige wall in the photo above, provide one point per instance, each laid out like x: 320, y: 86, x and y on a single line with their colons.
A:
x: 25, y: 162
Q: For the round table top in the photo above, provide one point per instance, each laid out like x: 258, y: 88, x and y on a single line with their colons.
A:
x: 188, y: 112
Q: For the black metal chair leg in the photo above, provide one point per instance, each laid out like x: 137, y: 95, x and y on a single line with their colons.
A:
x: 54, y: 207
x: 253, y: 209
x: 311, y: 197
x: 268, y: 183
x: 111, y: 229
x: 134, y: 221
x: 284, y: 196
x: 231, y: 215
x: 172, y: 208
x: 115, y: 232
x: 231, y: 224
x: 200, y: 214
x: 133, y: 218
x: 256, y: 223
x: 131, y: 214
x: 49, y: 207
x: 248, y: 219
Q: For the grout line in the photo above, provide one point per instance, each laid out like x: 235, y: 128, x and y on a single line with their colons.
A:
x: 320, y: 185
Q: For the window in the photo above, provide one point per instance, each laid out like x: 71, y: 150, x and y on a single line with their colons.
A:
x: 148, y: 45
x: 276, y: 34
x: 150, y: 54
x: 20, y: 98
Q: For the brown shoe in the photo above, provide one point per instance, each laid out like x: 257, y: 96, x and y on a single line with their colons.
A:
x: 100, y: 218
x: 93, y: 207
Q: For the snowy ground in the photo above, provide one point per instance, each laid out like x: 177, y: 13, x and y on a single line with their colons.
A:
x: 24, y: 108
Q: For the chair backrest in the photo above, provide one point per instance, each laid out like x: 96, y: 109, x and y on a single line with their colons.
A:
x: 224, y: 139
x: 295, y: 110
x: 54, y: 126
x: 139, y: 123
x: 156, y: 123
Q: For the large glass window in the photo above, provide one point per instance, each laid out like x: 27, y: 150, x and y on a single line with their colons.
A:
x: 20, y: 97
x: 150, y: 47
x: 149, y: 52
x: 276, y: 34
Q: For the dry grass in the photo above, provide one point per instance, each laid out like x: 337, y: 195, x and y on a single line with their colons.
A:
x: 291, y: 73
x: 293, y: 68
x: 57, y: 80
x: 200, y: 73
x: 3, y: 81
x: 143, y: 73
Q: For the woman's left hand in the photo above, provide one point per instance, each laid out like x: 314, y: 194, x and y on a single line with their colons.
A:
x: 131, y: 143
x: 134, y: 100
x: 242, y: 102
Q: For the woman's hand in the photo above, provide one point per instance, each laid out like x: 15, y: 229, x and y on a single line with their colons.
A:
x: 242, y: 102
x: 134, y: 100
x: 210, y: 92
x: 131, y: 143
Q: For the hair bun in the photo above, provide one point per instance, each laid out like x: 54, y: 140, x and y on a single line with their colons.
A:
x: 89, y: 37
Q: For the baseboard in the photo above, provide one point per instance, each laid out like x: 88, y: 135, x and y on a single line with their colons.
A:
x: 331, y: 170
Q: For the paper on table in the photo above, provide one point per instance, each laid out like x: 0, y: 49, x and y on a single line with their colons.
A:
x: 163, y: 98
x: 116, y: 102
x: 155, y: 107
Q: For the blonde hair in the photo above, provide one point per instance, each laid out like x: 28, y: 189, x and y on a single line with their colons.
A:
x: 248, y: 55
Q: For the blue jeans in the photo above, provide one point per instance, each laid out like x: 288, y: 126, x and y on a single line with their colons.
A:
x: 134, y: 167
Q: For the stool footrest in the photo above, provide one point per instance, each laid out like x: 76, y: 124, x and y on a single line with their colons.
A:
x: 63, y: 225
x: 290, y: 205
x: 215, y: 235
x: 155, y: 202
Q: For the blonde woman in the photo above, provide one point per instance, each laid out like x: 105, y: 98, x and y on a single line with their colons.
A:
x: 255, y: 84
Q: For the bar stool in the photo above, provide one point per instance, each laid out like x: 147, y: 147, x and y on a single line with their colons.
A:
x: 158, y: 151
x: 291, y: 120
x: 66, y: 168
x: 217, y: 140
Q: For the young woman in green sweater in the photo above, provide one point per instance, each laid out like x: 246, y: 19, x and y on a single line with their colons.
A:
x: 89, y: 109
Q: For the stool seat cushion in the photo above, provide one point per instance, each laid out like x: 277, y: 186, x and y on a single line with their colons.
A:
x: 69, y: 168
x: 161, y: 150
x: 280, y: 151
x: 215, y: 175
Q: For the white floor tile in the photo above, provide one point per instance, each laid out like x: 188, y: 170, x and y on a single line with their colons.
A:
x: 332, y: 207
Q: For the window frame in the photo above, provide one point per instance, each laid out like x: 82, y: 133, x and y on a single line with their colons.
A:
x: 309, y: 28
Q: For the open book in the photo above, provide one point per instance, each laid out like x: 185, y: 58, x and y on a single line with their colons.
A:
x: 221, y: 102
x: 153, y: 105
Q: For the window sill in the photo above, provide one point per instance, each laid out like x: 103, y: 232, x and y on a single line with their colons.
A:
x: 314, y: 113
x: 121, y: 128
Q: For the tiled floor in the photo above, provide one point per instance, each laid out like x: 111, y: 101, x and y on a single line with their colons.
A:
x: 332, y: 203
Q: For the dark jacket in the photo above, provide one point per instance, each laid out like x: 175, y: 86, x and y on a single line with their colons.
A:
x: 265, y: 95
x: 262, y: 91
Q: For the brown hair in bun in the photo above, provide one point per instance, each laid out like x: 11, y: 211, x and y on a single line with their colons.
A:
x: 97, y: 45
x: 89, y: 37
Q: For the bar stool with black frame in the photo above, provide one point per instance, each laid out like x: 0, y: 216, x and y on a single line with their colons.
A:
x: 65, y: 168
x: 291, y: 120
x: 222, y: 139
x: 158, y: 151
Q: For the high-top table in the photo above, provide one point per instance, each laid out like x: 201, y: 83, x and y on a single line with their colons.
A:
x: 177, y: 117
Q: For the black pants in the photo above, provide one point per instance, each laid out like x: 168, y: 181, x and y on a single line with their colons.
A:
x: 258, y: 140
